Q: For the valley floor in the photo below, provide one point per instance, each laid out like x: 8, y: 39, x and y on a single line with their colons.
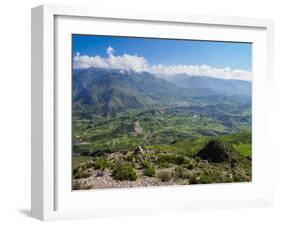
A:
x: 158, y: 146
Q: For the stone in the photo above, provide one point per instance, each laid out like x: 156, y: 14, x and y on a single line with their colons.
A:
x: 100, y: 174
x: 139, y: 150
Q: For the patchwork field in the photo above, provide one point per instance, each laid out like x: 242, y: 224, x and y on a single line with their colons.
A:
x: 174, y: 145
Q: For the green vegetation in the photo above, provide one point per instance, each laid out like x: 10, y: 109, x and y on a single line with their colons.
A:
x: 179, y: 160
x: 148, y: 169
x: 124, y: 171
x: 170, y: 129
x: 219, y: 159
x: 187, y: 136
x: 101, y: 163
x: 150, y: 172
x: 83, y: 174
x: 182, y: 173
x: 77, y: 159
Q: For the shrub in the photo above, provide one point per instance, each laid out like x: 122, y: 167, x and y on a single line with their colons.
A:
x: 130, y: 158
x: 238, y: 177
x: 101, y: 163
x: 179, y: 160
x: 164, y: 160
x: 210, y: 177
x: 77, y: 169
x: 164, y: 175
x: 83, y: 174
x: 194, y: 179
x: 149, y: 171
x: 163, y: 165
x: 124, y: 171
x: 182, y: 173
x: 189, y: 166
x: 145, y: 164
x: 79, y: 186
x: 206, y: 179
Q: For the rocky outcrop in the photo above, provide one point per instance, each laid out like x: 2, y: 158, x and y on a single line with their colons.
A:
x: 217, y: 151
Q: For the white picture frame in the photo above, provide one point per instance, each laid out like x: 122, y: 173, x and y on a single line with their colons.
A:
x: 52, y: 197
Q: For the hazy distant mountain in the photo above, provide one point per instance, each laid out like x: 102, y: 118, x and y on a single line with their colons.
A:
x: 107, y: 91
x: 222, y: 86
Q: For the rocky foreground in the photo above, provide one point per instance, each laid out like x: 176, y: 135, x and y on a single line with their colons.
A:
x: 215, y: 163
x: 102, y: 179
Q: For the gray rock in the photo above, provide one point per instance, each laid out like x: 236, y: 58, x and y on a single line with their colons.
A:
x: 139, y: 150
x: 100, y: 174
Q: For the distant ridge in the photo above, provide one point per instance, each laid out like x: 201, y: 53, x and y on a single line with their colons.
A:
x: 108, y: 91
x: 222, y: 86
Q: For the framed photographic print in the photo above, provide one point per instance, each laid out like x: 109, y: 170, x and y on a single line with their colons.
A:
x: 136, y: 113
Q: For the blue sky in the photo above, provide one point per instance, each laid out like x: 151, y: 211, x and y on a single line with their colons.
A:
x: 163, y: 51
x: 216, y: 55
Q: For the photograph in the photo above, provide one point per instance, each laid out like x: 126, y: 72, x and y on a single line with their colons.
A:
x: 152, y: 111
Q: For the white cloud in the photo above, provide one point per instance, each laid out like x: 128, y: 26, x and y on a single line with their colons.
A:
x: 201, y: 70
x: 84, y: 61
x: 125, y: 62
x: 139, y: 64
x: 110, y: 51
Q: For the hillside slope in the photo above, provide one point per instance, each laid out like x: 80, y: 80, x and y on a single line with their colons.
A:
x: 107, y: 91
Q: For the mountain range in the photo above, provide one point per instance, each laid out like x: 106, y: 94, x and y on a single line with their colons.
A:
x: 108, y: 91
x: 222, y: 86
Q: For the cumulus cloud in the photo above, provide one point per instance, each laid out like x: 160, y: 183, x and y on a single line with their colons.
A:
x: 125, y: 62
x: 201, y: 70
x: 110, y: 51
x: 138, y: 64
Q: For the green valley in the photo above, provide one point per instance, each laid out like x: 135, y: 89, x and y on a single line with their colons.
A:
x: 131, y: 133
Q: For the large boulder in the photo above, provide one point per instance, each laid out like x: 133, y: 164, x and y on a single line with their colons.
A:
x: 217, y: 151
